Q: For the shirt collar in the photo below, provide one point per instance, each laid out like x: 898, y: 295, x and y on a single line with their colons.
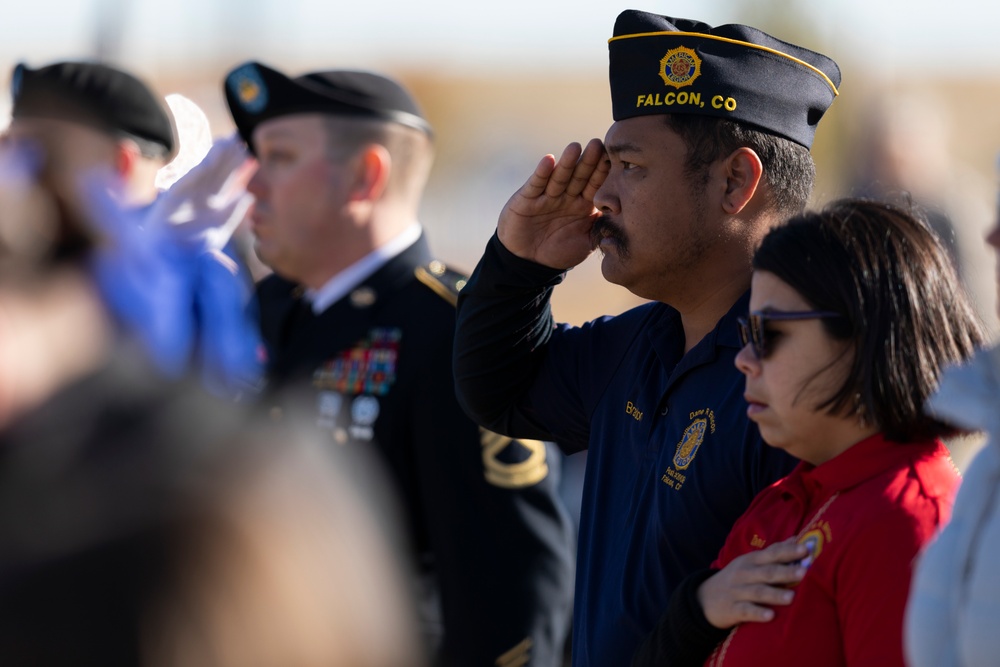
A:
x: 860, y: 462
x: 727, y: 332
x: 338, y: 286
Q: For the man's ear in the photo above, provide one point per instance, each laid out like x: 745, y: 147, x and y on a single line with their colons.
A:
x: 372, y: 168
x: 743, y: 171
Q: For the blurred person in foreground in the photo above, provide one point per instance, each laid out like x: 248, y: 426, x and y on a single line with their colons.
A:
x: 358, y: 321
x: 95, y: 138
x: 144, y: 521
x: 855, y: 311
x: 708, y: 151
x: 954, y: 609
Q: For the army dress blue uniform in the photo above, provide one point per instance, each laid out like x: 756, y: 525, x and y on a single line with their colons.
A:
x: 673, y: 460
x: 483, y: 511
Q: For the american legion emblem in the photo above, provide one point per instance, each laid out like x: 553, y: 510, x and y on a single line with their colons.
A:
x: 680, y: 67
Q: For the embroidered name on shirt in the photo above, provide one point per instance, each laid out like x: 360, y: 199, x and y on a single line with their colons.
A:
x: 631, y: 409
x: 708, y: 414
x: 673, y: 479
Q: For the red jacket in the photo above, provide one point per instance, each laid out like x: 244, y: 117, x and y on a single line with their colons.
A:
x: 868, y: 512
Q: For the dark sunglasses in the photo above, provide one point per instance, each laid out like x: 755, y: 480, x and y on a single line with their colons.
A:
x: 752, y: 327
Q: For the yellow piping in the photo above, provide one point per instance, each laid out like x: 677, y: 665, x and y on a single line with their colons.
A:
x: 424, y: 276
x: 731, y: 41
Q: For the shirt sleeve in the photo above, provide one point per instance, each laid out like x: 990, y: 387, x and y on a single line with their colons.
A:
x: 519, y: 373
x: 683, y: 637
x: 504, y: 324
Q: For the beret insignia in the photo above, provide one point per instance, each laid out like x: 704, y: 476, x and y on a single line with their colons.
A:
x: 248, y: 87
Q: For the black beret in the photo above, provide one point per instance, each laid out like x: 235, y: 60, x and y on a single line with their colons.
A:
x: 257, y: 93
x: 95, y: 95
x: 660, y: 64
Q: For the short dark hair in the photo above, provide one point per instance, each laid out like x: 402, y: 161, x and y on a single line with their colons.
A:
x: 901, y: 303
x: 789, y: 169
x: 411, y: 150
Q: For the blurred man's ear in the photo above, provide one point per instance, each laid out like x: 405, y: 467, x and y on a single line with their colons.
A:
x: 136, y: 172
x: 374, y: 164
x: 126, y: 155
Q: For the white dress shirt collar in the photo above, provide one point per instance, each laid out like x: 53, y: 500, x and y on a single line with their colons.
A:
x: 338, y: 286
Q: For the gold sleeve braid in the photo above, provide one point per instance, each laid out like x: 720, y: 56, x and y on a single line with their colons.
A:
x: 512, y: 475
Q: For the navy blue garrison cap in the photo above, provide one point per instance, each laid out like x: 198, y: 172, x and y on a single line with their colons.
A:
x: 256, y: 93
x: 660, y: 64
x: 95, y: 95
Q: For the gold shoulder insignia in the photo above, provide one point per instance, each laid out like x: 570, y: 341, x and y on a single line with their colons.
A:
x: 527, y: 467
x: 445, y: 282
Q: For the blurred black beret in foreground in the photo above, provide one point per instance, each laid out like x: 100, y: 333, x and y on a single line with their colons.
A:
x: 95, y: 95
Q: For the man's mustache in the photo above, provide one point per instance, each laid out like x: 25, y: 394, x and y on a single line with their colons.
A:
x: 606, y: 228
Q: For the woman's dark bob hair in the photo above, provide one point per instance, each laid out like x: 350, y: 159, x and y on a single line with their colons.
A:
x: 902, y: 305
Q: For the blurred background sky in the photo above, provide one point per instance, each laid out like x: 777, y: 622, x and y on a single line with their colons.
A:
x: 506, y: 82
x: 943, y: 39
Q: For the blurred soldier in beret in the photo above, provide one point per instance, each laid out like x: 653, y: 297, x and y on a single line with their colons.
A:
x: 94, y: 137
x: 84, y: 115
x: 358, y: 321
x: 709, y: 150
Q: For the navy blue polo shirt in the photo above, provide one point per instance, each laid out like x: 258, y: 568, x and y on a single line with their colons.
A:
x: 673, y: 459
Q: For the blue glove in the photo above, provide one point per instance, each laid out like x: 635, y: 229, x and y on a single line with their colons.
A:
x: 184, y: 300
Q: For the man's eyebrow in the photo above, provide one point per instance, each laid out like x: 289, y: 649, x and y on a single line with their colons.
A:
x: 627, y: 147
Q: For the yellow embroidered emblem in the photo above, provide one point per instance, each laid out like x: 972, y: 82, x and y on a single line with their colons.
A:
x: 247, y: 85
x: 249, y: 91
x: 813, y: 540
x: 515, y: 475
x: 693, y: 436
x: 680, y: 67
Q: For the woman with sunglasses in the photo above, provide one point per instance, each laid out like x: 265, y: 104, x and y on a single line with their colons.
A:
x: 855, y: 310
x: 953, y: 615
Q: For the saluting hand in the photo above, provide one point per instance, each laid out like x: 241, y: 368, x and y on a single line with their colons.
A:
x: 549, y: 219
x: 739, y: 592
x: 204, y: 207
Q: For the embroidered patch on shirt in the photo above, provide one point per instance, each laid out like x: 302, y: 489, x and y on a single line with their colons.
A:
x: 814, y: 539
x: 687, y: 448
